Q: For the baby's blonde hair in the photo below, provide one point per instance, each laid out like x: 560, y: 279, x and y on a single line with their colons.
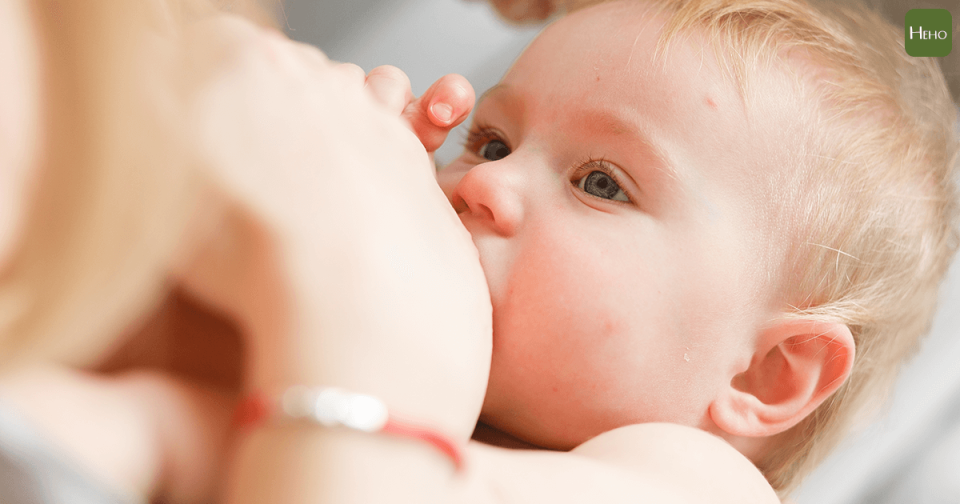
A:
x: 870, y: 212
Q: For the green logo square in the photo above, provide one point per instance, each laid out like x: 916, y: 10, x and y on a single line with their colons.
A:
x: 928, y: 32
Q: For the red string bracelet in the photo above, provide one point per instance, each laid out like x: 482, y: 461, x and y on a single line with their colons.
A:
x: 332, y: 407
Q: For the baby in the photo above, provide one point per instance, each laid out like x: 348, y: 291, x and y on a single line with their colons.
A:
x: 726, y: 215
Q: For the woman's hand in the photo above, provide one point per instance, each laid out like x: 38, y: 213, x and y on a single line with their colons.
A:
x: 342, y: 258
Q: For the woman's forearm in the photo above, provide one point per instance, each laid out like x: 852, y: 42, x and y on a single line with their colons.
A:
x: 310, y: 464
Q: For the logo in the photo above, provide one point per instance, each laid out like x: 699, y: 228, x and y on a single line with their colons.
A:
x: 928, y: 32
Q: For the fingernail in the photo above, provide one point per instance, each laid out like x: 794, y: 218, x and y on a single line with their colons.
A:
x: 443, y: 112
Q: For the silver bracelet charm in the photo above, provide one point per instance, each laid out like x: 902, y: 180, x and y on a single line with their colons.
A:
x: 334, y: 407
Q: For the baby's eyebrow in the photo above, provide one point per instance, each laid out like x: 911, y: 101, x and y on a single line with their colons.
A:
x: 505, y: 96
x: 498, y: 88
x: 603, y: 121
x: 621, y: 123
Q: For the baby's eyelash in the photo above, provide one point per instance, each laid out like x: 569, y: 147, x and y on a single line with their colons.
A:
x: 479, y: 135
x: 592, y: 164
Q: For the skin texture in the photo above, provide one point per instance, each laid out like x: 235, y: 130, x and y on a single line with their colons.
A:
x: 606, y: 312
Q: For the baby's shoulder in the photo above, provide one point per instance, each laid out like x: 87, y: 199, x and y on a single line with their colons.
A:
x: 685, y: 458
x: 659, y: 463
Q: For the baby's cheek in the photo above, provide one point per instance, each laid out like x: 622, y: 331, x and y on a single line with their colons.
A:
x: 560, y: 319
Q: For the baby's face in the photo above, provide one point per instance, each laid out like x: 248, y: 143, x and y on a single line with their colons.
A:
x: 611, y: 199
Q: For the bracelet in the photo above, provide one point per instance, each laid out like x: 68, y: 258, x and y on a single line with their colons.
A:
x: 333, y: 407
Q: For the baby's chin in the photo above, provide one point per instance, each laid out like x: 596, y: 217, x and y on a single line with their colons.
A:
x: 495, y: 437
x: 526, y: 429
x: 521, y: 404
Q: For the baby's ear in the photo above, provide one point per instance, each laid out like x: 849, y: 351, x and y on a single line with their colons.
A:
x: 796, y: 365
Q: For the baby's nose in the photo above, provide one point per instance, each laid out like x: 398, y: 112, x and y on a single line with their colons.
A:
x: 493, y: 193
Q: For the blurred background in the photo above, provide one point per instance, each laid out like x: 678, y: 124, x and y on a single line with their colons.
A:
x: 909, y: 453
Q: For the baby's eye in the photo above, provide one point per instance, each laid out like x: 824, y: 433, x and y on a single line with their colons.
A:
x: 602, y: 185
x: 494, y: 150
x: 487, y: 143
